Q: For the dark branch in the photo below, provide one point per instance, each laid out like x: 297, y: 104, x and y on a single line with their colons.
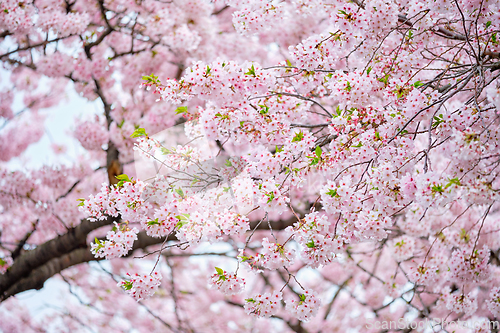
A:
x: 29, y: 261
x: 33, y: 268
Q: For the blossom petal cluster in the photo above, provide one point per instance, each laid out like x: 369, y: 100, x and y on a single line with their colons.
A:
x: 141, y: 286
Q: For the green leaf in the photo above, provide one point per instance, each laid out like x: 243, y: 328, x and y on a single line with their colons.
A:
x: 81, y: 203
x: 183, y: 217
x: 208, y: 70
x: 180, y: 192
x: 437, y: 120
x: 318, y: 151
x: 121, y: 124
x: 453, y: 181
x: 314, y: 161
x: 464, y: 235
x: 226, y: 189
x: 152, y: 79
x: 2, y: 262
x: 488, y: 24
x: 410, y: 34
x: 251, y: 71
x: 343, y: 12
x: 302, y: 297
x: 250, y: 300
x: 437, y: 189
x: 348, y: 88
x: 310, y: 244
x: 270, y: 197
x: 418, y: 84
x: 368, y: 70
x: 123, y: 177
x: 181, y: 109
x: 332, y: 193
x: 127, y: 285
x: 384, y: 79
x: 401, y: 91
x: 288, y: 63
x: 154, y: 222
x: 139, y: 132
x: 377, y: 135
x: 298, y: 137
x: 180, y: 224
x: 494, y: 38
x: 220, y: 271
x: 338, y: 111
x: 98, y: 242
x: 263, y: 109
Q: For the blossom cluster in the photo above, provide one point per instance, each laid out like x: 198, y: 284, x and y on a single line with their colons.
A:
x: 466, y: 266
x: 306, y: 308
x: 91, y: 135
x: 228, y: 284
x: 141, y: 286
x: 118, y: 243
x: 358, y: 139
x: 263, y: 305
x: 273, y: 256
x: 5, y: 263
x: 319, y: 247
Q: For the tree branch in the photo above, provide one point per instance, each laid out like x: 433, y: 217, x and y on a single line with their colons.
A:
x: 33, y: 268
x: 29, y: 261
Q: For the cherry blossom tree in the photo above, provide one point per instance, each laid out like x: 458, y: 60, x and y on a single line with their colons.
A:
x: 257, y: 165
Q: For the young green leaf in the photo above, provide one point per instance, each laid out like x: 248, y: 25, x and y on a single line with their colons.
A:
x: 127, y: 285
x: 153, y: 222
x: 311, y: 244
x: 251, y: 71
x: 418, y: 84
x: 181, y: 109
x: 318, y: 151
x: 298, y: 137
x: 332, y: 193
x: 139, y: 132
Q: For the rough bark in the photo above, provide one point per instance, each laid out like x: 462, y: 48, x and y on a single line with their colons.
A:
x: 26, y: 263
x: 32, y: 268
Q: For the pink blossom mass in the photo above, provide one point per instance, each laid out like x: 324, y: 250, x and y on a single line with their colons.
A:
x: 251, y: 166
